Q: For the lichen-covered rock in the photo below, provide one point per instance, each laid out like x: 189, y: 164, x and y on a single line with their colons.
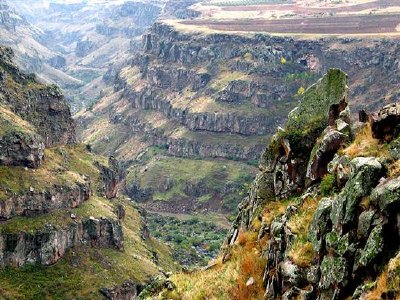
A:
x: 319, y: 225
x: 323, y: 152
x: 340, y: 165
x: 394, y: 148
x: 292, y: 275
x: 387, y: 195
x: 334, y: 272
x: 365, y: 174
x: 126, y: 291
x: 365, y: 221
x: 372, y: 249
x: 341, y: 245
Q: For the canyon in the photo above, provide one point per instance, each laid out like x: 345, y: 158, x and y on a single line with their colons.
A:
x: 138, y: 137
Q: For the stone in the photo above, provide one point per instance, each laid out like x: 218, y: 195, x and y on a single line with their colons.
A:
x: 365, y: 174
x: 387, y: 195
x: 334, y: 272
x: 323, y: 153
x: 385, y: 122
x: 291, y: 274
x: 341, y: 245
x: 319, y: 225
x: 365, y: 221
x: 394, y: 149
x: 250, y: 281
x: 372, y: 249
x: 126, y: 291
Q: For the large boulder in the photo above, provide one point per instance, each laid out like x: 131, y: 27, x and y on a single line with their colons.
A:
x: 387, y: 195
x: 385, y: 123
x: 323, y: 152
x: 365, y: 174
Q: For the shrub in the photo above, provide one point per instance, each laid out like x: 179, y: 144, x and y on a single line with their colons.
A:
x: 328, y: 185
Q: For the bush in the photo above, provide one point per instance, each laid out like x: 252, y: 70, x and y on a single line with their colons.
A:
x: 328, y: 185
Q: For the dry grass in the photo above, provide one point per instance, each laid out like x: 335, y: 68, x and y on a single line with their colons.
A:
x: 225, y: 280
x: 300, y: 221
x: 302, y: 254
x: 274, y: 209
x: 394, y: 169
x: 365, y: 145
x: 381, y: 287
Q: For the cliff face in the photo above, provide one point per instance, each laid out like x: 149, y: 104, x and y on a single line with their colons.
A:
x: 221, y: 96
x: 55, y: 200
x: 321, y: 218
x: 41, y: 105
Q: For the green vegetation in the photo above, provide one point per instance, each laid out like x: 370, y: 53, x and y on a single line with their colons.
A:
x: 82, y: 272
x: 74, y: 161
x: 328, y: 185
x: 193, y: 242
x: 172, y: 178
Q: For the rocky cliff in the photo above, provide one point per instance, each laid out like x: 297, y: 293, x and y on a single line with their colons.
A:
x: 221, y: 95
x: 321, y: 219
x: 55, y: 203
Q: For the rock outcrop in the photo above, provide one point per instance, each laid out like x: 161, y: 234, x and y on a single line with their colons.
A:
x: 48, y: 246
x: 41, y: 105
x: 352, y: 233
x: 35, y: 203
x: 385, y: 123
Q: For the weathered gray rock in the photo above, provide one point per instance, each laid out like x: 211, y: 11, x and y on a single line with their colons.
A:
x: 341, y: 245
x: 126, y: 291
x: 373, y: 248
x: 319, y: 226
x: 387, y: 195
x: 365, y: 174
x: 21, y: 149
x: 365, y: 221
x: 323, y: 153
x: 334, y: 272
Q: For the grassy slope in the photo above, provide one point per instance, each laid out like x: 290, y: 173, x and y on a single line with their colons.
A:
x: 83, y: 271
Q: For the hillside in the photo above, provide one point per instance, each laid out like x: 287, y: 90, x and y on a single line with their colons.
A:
x: 320, y: 219
x: 64, y: 231
x: 76, y: 45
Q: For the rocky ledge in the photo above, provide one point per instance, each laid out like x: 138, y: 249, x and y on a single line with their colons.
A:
x: 34, y: 203
x: 48, y: 245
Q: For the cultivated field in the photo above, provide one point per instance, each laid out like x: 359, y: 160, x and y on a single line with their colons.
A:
x: 351, y: 17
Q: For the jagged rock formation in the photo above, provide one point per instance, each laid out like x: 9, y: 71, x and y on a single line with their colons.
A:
x: 349, y: 235
x: 41, y: 105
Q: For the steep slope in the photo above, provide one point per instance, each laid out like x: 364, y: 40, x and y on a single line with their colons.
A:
x: 320, y: 220
x: 219, y: 97
x: 63, y: 231
x: 31, y: 54
x: 75, y: 45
